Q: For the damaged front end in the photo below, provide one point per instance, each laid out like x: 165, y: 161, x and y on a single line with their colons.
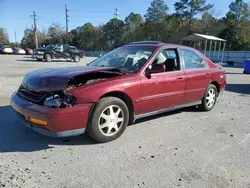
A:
x: 53, y: 99
x: 90, y: 78
x: 43, y: 93
x: 60, y: 101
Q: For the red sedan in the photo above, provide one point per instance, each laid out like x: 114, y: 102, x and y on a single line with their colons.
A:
x: 114, y: 90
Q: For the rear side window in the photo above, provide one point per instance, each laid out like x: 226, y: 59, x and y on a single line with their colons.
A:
x: 192, y: 60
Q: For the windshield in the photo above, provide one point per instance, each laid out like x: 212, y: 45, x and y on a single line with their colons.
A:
x: 51, y: 46
x: 127, y: 58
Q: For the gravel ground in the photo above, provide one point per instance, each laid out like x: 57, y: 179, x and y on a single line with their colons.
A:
x: 185, y: 148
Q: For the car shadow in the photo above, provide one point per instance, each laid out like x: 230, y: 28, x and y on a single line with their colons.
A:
x: 54, y: 60
x: 15, y: 137
x: 238, y: 88
x: 27, y: 57
x: 174, y: 112
x: 31, y: 60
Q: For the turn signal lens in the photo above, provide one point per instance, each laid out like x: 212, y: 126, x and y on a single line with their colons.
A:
x: 38, y: 121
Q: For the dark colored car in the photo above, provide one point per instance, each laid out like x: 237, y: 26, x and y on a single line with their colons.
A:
x: 134, y: 81
x: 58, y: 51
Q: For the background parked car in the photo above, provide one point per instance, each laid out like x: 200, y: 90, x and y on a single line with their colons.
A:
x: 59, y: 51
x: 18, y: 51
x: 28, y: 51
x: 6, y: 50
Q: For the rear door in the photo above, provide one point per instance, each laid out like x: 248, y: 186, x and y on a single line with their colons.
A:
x: 197, y: 74
x: 60, y: 51
x: 67, y: 50
x: 163, y: 90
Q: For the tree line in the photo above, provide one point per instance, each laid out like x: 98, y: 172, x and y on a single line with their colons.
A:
x: 190, y: 16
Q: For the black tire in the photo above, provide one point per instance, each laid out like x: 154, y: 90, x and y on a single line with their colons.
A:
x: 204, y: 105
x: 76, y: 58
x: 95, y: 118
x: 47, y: 58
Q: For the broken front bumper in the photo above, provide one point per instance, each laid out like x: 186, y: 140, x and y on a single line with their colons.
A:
x: 57, y: 122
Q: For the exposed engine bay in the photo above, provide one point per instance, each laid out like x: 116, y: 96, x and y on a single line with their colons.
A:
x: 81, y: 80
x: 62, y: 100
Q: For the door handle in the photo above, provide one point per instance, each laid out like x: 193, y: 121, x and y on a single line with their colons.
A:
x: 180, y: 78
x: 208, y: 74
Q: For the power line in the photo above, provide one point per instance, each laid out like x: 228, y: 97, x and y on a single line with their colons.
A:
x: 67, y: 20
x: 51, y: 21
x: 35, y: 27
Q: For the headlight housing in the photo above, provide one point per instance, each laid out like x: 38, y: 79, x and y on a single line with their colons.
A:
x: 57, y: 101
x: 39, y: 52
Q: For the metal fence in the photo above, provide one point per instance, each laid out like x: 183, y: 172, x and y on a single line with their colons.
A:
x: 236, y: 56
x: 95, y: 53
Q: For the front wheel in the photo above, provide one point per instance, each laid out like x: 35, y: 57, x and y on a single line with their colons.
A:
x: 48, y: 57
x: 108, y: 120
x: 209, y: 98
x: 77, y: 58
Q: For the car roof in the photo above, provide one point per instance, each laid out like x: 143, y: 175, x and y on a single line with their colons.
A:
x: 157, y: 44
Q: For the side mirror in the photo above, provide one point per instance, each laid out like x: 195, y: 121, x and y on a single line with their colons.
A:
x: 156, y: 68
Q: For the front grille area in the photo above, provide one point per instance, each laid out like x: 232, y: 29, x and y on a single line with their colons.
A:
x: 32, y: 96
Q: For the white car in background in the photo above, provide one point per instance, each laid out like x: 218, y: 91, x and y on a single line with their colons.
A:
x: 19, y: 51
x: 6, y: 50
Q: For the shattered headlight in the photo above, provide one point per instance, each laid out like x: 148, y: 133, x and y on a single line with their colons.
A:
x: 56, y: 101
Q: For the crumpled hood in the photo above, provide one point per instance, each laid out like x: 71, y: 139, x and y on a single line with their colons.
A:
x: 53, y: 79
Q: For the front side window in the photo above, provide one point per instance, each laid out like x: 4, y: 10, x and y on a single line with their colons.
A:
x: 169, y: 58
x: 192, y: 60
x: 126, y: 58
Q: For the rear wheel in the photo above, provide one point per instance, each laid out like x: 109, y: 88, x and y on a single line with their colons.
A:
x: 48, y: 57
x: 77, y: 58
x: 209, y: 98
x: 108, y: 120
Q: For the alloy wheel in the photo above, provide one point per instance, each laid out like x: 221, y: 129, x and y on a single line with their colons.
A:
x: 111, y: 120
x: 210, y: 98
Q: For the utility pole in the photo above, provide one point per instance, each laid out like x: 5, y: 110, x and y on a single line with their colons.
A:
x: 35, y: 27
x: 15, y: 39
x: 116, y: 13
x: 67, y: 20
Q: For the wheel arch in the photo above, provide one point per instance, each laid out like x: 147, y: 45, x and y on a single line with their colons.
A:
x: 74, y: 54
x: 125, y: 98
x: 217, y: 85
x: 51, y: 55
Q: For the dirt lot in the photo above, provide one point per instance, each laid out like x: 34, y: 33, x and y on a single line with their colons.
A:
x: 185, y: 148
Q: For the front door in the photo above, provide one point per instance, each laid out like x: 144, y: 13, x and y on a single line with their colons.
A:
x: 197, y: 75
x: 163, y: 90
